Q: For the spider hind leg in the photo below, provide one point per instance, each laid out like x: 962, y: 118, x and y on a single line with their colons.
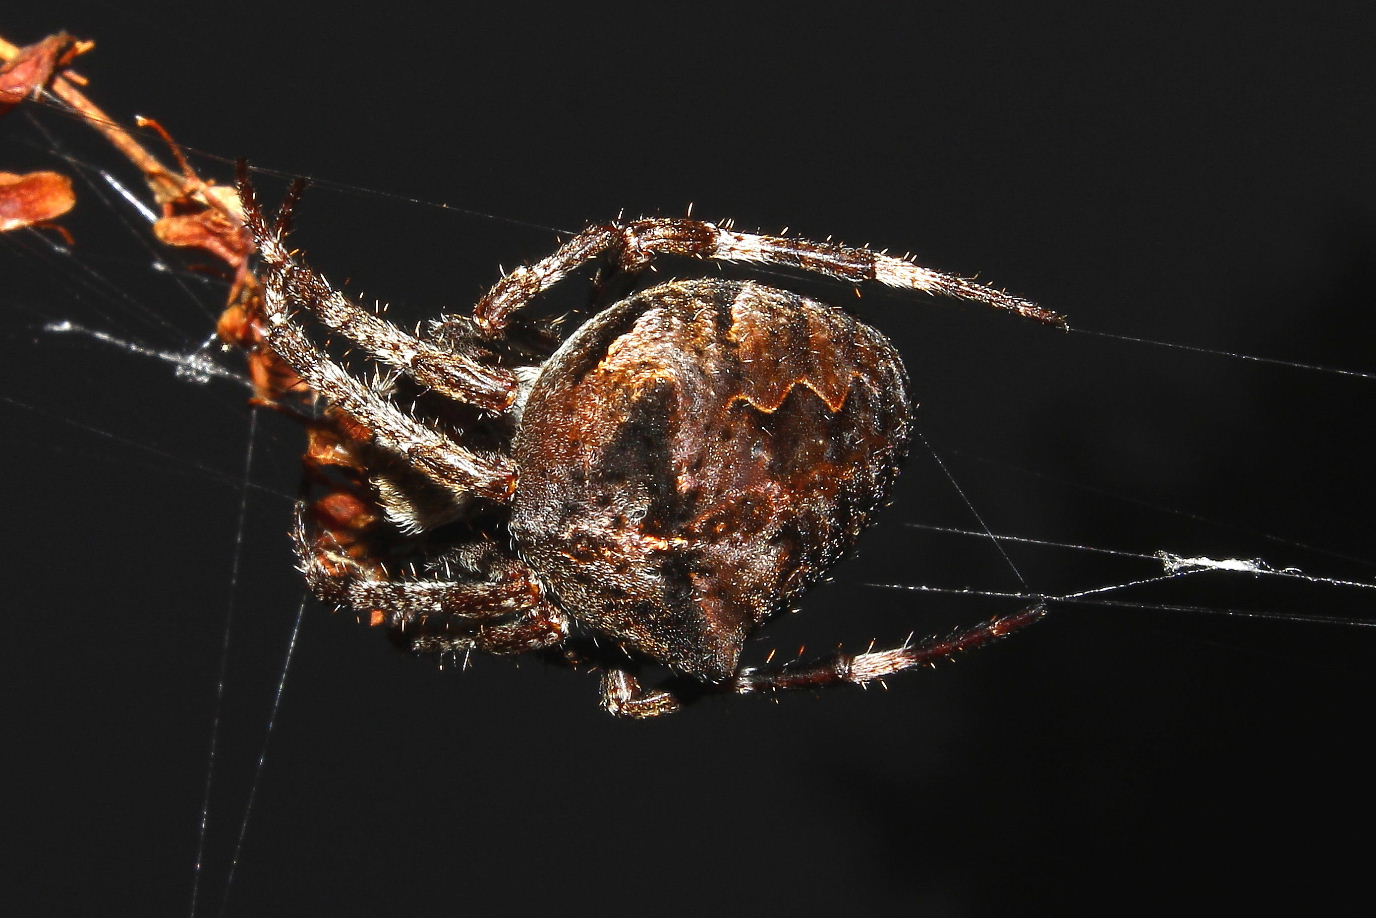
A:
x: 623, y: 695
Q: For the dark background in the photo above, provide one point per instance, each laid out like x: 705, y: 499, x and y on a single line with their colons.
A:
x: 1202, y: 178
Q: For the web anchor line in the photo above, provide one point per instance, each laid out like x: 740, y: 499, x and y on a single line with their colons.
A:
x: 1175, y: 566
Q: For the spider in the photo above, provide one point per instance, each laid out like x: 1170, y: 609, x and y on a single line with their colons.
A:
x: 650, y: 490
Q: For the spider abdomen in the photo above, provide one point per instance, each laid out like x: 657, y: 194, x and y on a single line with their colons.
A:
x: 697, y: 455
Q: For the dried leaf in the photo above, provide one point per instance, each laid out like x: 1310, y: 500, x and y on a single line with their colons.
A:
x: 33, y: 199
x: 209, y: 230
x: 35, y: 65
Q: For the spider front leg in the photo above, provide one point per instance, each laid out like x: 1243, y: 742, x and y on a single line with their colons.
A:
x: 445, y: 371
x: 286, y: 284
x: 635, y: 244
x: 623, y: 695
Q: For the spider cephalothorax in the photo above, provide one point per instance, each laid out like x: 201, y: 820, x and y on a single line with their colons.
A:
x: 682, y: 466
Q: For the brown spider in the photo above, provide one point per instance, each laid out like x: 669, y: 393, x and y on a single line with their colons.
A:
x: 650, y: 490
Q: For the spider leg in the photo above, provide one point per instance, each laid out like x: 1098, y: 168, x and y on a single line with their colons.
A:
x: 407, y: 603
x: 447, y: 372
x: 402, y: 604
x: 623, y: 695
x: 540, y: 627
x: 436, y: 455
x: 637, y: 242
x: 875, y: 665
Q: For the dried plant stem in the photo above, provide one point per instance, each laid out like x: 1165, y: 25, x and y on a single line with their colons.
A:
x: 165, y: 185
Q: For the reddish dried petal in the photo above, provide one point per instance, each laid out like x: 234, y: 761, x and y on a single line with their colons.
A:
x: 34, y: 198
x: 35, y: 66
x: 209, y: 230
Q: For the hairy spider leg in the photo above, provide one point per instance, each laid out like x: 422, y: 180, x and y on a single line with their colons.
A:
x: 540, y: 627
x: 502, y: 616
x: 287, y: 284
x: 445, y: 371
x: 506, y: 614
x: 636, y: 243
x: 623, y: 696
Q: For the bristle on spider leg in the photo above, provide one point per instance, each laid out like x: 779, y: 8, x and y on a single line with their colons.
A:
x: 286, y: 213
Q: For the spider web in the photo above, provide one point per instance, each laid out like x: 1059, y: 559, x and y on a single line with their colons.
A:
x: 1049, y: 466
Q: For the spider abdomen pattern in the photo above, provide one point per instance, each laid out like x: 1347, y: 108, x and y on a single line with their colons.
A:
x: 696, y: 456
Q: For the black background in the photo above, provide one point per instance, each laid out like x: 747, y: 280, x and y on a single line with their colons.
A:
x: 1203, y: 178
